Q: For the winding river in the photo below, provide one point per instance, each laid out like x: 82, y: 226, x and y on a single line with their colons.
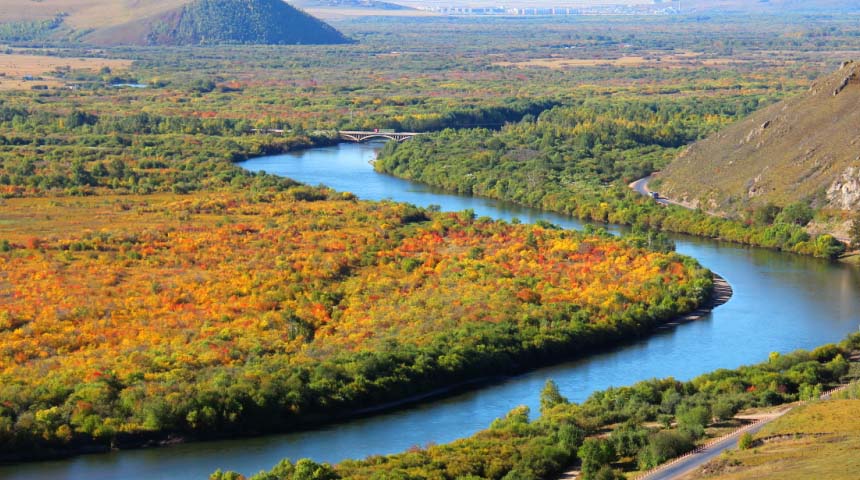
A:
x: 781, y: 302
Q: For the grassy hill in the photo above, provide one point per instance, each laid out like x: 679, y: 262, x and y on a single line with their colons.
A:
x: 166, y: 22
x: 820, y: 440
x: 801, y: 149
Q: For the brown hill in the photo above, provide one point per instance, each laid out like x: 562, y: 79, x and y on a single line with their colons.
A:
x: 86, y: 14
x: 170, y: 22
x: 803, y: 149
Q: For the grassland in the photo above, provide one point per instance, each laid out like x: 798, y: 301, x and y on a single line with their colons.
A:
x: 49, y: 70
x: 86, y: 14
x: 818, y: 440
x: 679, y: 59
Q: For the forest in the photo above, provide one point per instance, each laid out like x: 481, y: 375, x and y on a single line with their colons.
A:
x: 224, y: 313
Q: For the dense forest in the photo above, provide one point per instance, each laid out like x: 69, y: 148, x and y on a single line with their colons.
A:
x: 57, y: 149
x: 630, y: 428
x: 260, y: 312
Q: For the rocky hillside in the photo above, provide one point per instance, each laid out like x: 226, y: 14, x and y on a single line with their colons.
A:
x: 804, y: 149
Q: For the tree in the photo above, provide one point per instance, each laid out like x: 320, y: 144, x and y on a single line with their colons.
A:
x: 797, y: 213
x: 550, y: 397
x: 692, y: 420
x: 595, y: 453
x: 662, y: 446
x: 746, y: 441
x: 80, y: 175
x: 628, y: 439
x: 765, y: 214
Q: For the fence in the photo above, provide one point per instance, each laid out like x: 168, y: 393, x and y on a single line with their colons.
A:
x: 652, y: 472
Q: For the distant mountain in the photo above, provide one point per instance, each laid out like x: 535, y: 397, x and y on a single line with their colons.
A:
x: 803, y: 149
x: 206, y: 22
x: 168, y: 22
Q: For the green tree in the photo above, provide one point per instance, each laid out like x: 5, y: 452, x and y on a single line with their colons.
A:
x: 595, y: 453
x: 797, y: 213
x: 80, y: 175
x: 550, y: 397
x: 746, y: 441
x: 662, y: 446
x: 692, y: 420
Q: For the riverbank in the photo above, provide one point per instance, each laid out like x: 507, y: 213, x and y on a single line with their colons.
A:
x: 613, y: 428
x: 720, y: 295
x: 326, y: 328
x: 539, y: 180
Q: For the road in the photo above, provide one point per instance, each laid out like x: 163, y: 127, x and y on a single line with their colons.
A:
x: 680, y: 467
x: 641, y: 186
x: 695, y: 461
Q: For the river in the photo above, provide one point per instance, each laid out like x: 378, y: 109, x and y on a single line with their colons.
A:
x: 781, y: 302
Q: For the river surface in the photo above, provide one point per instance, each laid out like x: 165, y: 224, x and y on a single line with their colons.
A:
x: 781, y: 302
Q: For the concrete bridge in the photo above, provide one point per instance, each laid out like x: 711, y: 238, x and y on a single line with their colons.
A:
x: 349, y: 135
x: 360, y: 136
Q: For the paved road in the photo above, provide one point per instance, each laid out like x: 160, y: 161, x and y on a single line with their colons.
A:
x: 641, y: 186
x: 695, y: 461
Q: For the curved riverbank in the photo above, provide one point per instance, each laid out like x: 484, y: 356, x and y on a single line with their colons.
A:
x: 443, y: 161
x: 124, y: 442
x: 809, y: 303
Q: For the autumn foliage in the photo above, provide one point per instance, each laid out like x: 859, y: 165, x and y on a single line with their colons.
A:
x: 228, y: 313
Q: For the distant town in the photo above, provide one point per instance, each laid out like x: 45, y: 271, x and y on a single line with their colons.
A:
x: 657, y: 7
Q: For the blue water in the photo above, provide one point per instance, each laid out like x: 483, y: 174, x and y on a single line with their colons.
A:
x: 781, y: 302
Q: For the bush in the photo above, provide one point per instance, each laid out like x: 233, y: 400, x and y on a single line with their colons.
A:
x: 595, y: 453
x: 692, y: 420
x: 746, y: 441
x: 662, y: 446
x: 854, y: 232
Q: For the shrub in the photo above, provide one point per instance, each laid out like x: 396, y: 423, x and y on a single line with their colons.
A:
x: 746, y: 441
x: 662, y: 446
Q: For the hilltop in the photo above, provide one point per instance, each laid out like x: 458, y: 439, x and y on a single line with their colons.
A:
x: 804, y: 149
x: 166, y: 22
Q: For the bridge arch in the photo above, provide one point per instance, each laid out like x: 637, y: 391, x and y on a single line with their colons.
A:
x: 360, y: 136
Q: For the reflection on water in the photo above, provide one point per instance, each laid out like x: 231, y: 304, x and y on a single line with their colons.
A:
x: 781, y: 302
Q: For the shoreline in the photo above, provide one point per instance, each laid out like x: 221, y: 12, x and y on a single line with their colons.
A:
x: 721, y: 294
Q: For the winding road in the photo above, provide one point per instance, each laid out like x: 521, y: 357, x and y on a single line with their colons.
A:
x: 689, y: 463
x: 641, y: 186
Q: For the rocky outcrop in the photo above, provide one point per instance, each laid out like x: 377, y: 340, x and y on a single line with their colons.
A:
x: 844, y: 193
